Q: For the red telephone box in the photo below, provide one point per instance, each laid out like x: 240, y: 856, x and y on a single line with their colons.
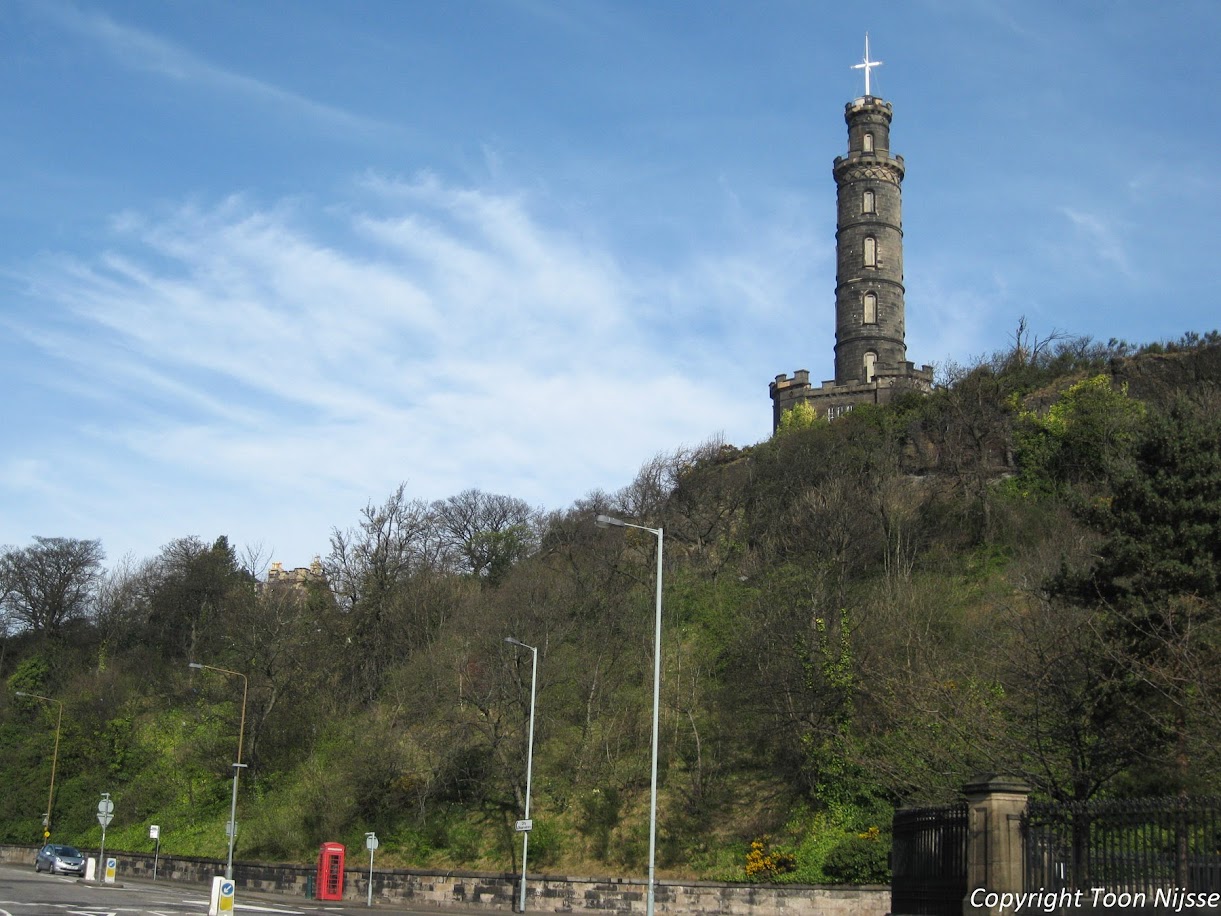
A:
x: 330, y: 871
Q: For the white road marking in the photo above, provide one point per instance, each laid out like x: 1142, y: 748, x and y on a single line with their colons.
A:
x: 249, y: 906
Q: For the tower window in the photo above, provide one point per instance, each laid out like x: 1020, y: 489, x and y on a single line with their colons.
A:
x: 868, y: 204
x: 870, y: 310
x: 867, y: 143
x: 871, y: 362
x: 871, y: 252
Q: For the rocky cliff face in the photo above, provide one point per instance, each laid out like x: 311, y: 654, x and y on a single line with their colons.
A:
x: 1159, y: 378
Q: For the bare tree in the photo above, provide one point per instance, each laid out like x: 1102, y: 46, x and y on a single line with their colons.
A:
x: 385, y: 575
x: 1028, y: 348
x: 393, y: 540
x: 50, y: 582
x: 486, y: 533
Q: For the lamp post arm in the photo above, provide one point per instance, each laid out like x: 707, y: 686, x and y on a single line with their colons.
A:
x: 606, y: 521
x: 656, y: 531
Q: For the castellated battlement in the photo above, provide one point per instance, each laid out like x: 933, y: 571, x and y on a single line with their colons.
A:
x: 868, y: 102
x: 800, y: 379
x: 831, y: 400
x: 296, y: 577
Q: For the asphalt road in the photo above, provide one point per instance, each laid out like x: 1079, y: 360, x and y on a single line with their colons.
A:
x: 24, y: 892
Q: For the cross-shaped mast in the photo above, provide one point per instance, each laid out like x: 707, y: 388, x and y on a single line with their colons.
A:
x: 867, y: 64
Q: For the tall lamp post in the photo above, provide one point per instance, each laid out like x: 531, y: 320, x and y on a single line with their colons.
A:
x: 237, y: 767
x: 59, y: 719
x: 605, y: 521
x: 525, y: 834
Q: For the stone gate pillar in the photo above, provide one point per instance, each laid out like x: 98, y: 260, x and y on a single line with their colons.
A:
x: 994, y: 843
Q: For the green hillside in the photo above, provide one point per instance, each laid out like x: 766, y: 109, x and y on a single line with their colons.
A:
x: 1018, y: 573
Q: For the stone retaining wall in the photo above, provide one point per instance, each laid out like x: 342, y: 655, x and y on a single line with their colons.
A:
x: 497, y: 892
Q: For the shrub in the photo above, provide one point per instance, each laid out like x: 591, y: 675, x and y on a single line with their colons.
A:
x: 860, y: 859
x: 546, y: 844
x: 766, y: 864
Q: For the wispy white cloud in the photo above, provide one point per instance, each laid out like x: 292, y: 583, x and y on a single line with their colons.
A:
x: 442, y: 335
x: 1101, y: 237
x: 140, y: 50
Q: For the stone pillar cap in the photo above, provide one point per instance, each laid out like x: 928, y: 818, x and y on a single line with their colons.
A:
x: 989, y: 783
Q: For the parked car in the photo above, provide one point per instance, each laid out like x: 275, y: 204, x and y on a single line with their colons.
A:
x: 57, y: 859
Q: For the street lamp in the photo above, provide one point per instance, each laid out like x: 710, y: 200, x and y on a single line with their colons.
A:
x: 46, y: 827
x: 237, y: 767
x: 525, y: 834
x: 605, y: 521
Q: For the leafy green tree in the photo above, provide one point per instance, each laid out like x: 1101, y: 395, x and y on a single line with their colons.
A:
x: 1158, y: 575
x: 800, y: 416
x: 1163, y: 524
x: 187, y: 588
x: 1079, y: 440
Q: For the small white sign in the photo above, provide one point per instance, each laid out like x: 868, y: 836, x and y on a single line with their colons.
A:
x: 370, y: 842
x: 154, y: 832
x: 524, y: 826
x: 214, y: 903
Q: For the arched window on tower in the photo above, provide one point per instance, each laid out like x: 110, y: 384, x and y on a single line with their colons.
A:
x: 871, y: 362
x: 870, y: 308
x: 867, y: 143
x: 868, y: 204
x: 871, y: 252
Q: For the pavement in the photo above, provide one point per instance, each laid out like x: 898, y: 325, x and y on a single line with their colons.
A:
x: 272, y: 902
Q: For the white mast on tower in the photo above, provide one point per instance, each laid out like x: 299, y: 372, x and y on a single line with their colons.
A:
x: 867, y: 64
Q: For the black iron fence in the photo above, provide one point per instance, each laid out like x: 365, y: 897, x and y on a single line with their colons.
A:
x: 1150, y: 854
x: 928, y: 861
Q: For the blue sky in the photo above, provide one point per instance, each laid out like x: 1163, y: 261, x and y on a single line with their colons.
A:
x: 261, y: 262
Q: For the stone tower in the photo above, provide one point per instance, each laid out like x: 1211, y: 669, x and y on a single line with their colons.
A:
x: 868, y: 247
x: 870, y: 352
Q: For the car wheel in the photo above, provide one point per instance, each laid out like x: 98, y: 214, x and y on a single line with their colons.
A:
x: 37, y: 866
